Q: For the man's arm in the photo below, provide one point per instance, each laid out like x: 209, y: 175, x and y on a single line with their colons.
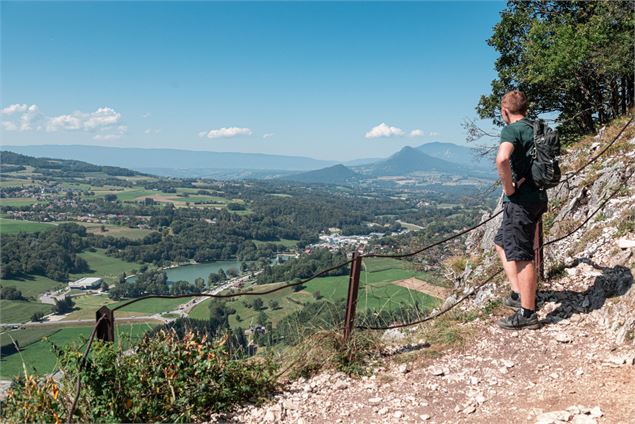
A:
x: 504, y: 167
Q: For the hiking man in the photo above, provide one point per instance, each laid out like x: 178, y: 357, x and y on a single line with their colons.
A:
x: 523, y: 206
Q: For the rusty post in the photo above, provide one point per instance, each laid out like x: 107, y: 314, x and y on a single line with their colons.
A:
x: 539, y: 259
x: 105, y: 327
x: 353, y: 287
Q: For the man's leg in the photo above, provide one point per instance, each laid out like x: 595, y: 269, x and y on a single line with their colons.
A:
x: 510, y: 269
x: 527, y: 282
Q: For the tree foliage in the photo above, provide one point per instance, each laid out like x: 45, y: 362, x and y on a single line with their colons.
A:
x: 571, y: 57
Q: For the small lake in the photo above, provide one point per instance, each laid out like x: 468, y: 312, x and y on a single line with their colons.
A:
x: 192, y: 272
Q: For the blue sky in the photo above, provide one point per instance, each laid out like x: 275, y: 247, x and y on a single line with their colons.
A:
x: 314, y: 79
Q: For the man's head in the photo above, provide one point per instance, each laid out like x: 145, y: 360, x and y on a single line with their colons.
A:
x: 513, y: 106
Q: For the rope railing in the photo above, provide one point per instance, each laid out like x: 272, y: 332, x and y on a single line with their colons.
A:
x: 359, y: 257
x: 477, y: 287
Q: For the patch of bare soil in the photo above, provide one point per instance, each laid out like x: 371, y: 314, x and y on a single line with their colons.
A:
x: 424, y: 287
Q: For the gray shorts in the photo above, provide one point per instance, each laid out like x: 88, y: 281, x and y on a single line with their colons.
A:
x: 517, y: 231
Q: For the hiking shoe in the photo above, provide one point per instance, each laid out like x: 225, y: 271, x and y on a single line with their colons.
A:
x: 517, y: 321
x: 511, y: 303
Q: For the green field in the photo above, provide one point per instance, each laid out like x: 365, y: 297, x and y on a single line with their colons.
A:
x: 376, y: 293
x: 288, y: 243
x: 33, y: 286
x: 87, y: 305
x: 104, y: 266
x: 17, y: 202
x: 152, y: 306
x: 38, y: 357
x: 13, y: 226
x: 131, y: 195
x: 115, y: 230
x: 20, y: 310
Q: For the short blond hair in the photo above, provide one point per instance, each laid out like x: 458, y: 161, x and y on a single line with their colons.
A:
x: 515, y: 101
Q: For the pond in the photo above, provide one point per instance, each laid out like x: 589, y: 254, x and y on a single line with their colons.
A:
x: 192, y: 272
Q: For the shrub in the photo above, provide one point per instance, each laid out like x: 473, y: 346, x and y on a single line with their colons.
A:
x: 166, y: 379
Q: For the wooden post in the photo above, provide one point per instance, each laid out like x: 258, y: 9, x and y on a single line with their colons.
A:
x: 351, y: 302
x: 539, y: 259
x: 106, y: 327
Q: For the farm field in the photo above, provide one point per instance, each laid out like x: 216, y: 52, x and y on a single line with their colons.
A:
x: 37, y: 355
x: 20, y: 310
x: 115, y: 230
x: 104, y: 266
x: 33, y: 286
x: 87, y: 305
x: 290, y: 244
x: 377, y: 292
x: 13, y: 226
x: 17, y: 201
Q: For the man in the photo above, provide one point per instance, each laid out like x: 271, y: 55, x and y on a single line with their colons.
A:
x: 523, y: 206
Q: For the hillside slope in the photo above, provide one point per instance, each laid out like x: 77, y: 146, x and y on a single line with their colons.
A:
x: 578, y: 368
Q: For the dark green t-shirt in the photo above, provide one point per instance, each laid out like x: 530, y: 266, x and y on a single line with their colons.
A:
x: 521, y: 135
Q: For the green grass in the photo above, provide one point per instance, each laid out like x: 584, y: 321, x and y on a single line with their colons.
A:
x: 288, y: 243
x: 131, y: 195
x: 38, y: 357
x: 87, y: 305
x: 33, y: 286
x: 152, y: 306
x: 104, y: 266
x: 7, y: 182
x: 17, y: 202
x: 115, y: 230
x: 13, y: 226
x: 377, y: 292
x: 20, y: 310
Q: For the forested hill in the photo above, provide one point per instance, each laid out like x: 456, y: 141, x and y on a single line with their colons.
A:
x: 10, y: 162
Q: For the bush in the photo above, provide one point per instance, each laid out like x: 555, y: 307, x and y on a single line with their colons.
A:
x: 166, y: 380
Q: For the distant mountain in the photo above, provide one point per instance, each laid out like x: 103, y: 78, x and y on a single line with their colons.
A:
x: 337, y: 174
x: 359, y: 162
x: 14, y: 160
x: 454, y: 153
x: 181, y: 160
x: 409, y: 160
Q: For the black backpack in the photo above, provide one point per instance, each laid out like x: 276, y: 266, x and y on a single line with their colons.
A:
x: 545, y: 170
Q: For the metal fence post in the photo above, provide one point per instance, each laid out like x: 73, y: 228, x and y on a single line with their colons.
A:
x: 105, y: 327
x: 353, y: 287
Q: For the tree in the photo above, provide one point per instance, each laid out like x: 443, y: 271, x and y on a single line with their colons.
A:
x: 273, y: 304
x: 10, y: 293
x: 110, y: 197
x: 37, y: 316
x: 63, y: 306
x: 199, y: 283
x: 575, y: 58
x: 258, y: 304
x: 317, y: 295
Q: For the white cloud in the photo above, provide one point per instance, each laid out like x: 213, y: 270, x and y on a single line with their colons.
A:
x: 15, y: 108
x: 383, y: 130
x: 146, y: 115
x: 152, y: 131
x: 225, y: 132
x: 268, y: 135
x: 434, y: 134
x: 416, y: 133
x: 21, y: 117
x: 103, y: 117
